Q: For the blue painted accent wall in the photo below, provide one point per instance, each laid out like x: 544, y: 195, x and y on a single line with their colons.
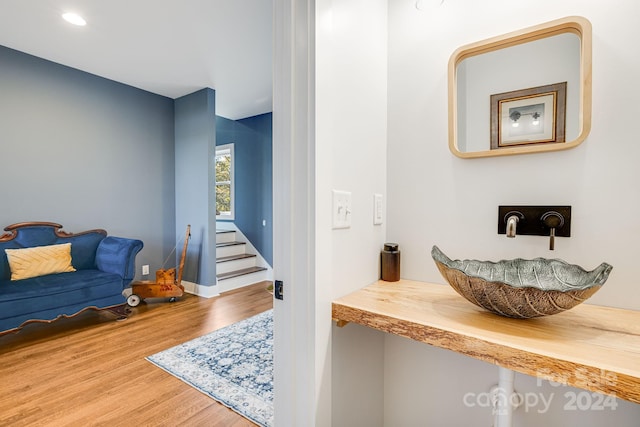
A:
x: 195, y: 139
x: 86, y: 152
x: 253, y: 141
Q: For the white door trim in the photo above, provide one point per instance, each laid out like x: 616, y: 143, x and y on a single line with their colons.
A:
x: 294, y: 211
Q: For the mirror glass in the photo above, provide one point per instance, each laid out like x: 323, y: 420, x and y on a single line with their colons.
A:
x: 523, y: 92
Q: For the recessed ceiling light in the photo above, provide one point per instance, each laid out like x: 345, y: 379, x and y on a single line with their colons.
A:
x: 74, y: 19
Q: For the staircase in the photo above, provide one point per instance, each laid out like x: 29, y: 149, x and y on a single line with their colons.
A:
x: 235, y: 267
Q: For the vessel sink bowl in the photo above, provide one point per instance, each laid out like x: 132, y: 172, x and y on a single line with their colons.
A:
x: 521, y: 288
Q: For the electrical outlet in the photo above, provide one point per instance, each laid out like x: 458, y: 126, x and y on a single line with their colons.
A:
x: 145, y: 270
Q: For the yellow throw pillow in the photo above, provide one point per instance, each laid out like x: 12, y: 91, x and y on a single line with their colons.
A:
x: 39, y: 261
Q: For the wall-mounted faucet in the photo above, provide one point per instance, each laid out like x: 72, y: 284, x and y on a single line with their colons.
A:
x: 512, y: 223
x: 552, y: 221
x: 511, y: 219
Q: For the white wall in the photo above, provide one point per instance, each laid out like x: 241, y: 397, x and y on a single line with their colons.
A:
x: 351, y: 110
x: 437, y: 198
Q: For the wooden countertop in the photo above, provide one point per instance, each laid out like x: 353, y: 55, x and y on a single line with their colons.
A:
x: 591, y: 347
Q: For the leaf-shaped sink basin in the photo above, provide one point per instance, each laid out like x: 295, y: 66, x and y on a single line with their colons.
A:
x: 521, y: 288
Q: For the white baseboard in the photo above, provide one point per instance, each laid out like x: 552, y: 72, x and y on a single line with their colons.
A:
x: 242, y: 281
x: 201, y: 291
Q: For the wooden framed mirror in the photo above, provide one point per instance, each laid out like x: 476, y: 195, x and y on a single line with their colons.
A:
x: 501, y: 91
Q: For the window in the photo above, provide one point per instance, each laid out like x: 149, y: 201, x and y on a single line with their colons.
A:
x: 224, y: 182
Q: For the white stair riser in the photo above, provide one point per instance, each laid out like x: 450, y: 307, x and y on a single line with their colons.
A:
x: 229, y: 250
x: 238, y: 264
x: 225, y: 237
x: 244, y: 280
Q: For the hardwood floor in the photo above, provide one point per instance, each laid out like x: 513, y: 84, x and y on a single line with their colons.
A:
x: 91, y: 370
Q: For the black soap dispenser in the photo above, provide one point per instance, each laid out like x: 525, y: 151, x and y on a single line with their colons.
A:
x: 390, y: 263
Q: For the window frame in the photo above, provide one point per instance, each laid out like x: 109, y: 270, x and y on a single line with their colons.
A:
x: 221, y: 150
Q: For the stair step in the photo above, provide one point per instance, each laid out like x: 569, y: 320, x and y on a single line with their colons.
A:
x: 234, y: 257
x: 224, y: 244
x: 224, y: 249
x: 219, y: 231
x: 237, y: 273
x: 232, y: 262
x: 225, y: 236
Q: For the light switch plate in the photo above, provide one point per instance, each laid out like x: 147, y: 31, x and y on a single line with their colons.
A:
x: 378, y: 209
x: 341, y: 209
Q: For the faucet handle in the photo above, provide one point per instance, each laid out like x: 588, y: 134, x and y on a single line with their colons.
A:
x: 553, y: 220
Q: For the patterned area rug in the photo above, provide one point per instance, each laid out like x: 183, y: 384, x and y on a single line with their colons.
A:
x: 233, y: 365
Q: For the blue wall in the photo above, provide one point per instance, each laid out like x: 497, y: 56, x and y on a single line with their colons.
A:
x: 195, y: 139
x: 252, y: 138
x: 86, y: 152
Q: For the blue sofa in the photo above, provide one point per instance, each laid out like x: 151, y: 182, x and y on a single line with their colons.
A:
x: 105, y: 265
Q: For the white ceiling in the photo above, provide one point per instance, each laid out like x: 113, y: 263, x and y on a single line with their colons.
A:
x: 168, y: 47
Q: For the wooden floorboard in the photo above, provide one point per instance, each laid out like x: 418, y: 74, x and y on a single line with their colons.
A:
x: 91, y: 370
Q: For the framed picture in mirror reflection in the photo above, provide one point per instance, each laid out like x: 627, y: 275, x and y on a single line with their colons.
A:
x: 529, y: 116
